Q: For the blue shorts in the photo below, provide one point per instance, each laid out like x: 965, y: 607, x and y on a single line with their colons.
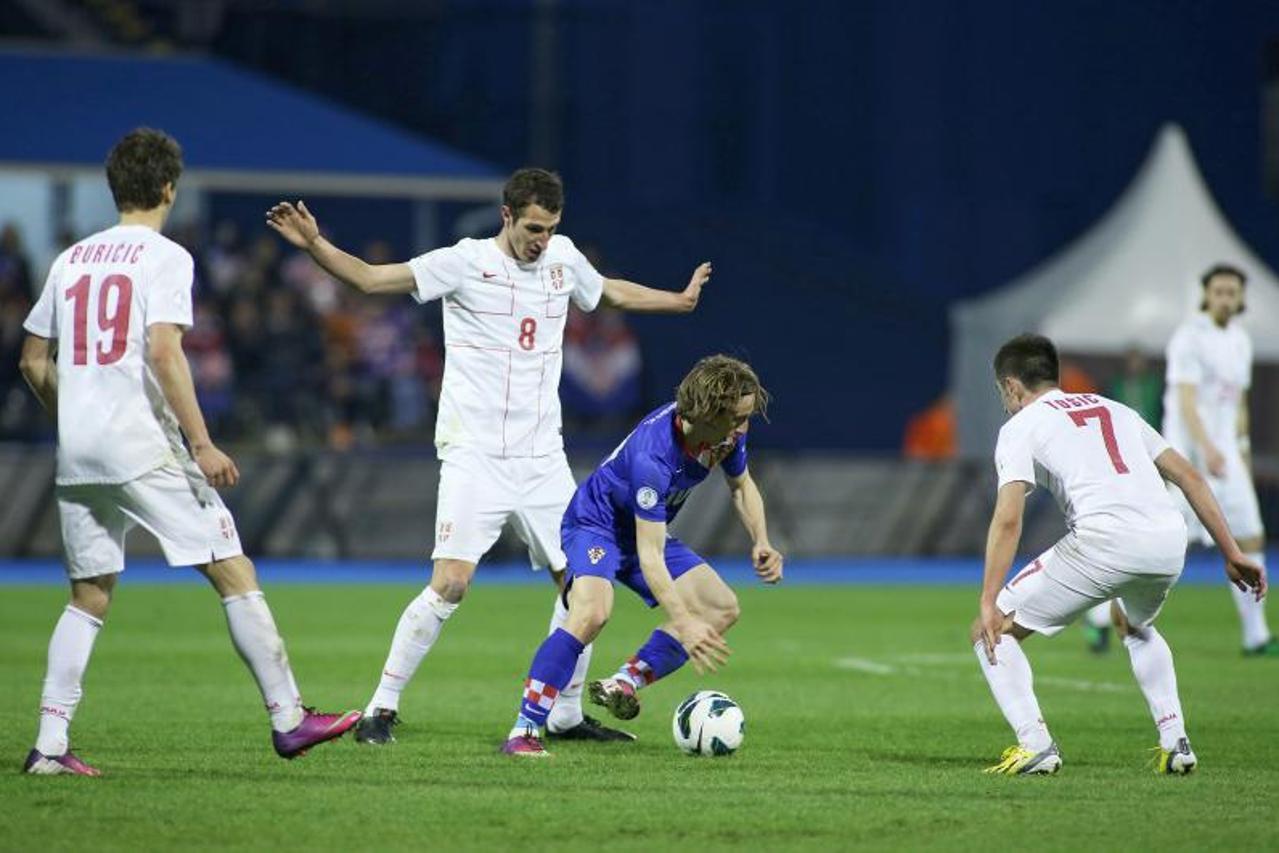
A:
x: 594, y: 553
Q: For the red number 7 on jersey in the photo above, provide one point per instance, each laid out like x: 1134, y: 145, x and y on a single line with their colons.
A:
x: 1102, y: 414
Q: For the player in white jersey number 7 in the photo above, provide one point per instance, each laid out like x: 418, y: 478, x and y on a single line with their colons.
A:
x: 120, y: 388
x: 505, y: 301
x: 1106, y: 467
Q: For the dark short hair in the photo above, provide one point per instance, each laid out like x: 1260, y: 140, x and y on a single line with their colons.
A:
x: 533, y: 186
x: 1216, y: 270
x: 139, y: 167
x: 1029, y: 357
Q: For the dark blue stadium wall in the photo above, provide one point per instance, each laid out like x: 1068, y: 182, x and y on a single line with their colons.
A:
x: 850, y: 167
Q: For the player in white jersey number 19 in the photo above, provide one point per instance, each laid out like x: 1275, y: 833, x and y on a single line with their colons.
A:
x: 505, y: 300
x: 131, y: 467
x: 1107, y: 470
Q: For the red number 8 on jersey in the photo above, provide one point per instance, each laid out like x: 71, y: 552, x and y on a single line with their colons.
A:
x: 528, y: 333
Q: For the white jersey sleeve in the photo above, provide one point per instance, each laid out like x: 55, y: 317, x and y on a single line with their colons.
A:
x: 1184, y: 367
x: 168, y: 294
x: 1155, y: 443
x: 1014, y: 457
x: 590, y: 284
x: 438, y: 273
x: 42, y: 319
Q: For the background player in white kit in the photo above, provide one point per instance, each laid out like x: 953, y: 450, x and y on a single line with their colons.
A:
x: 505, y: 302
x: 1206, y: 419
x: 1106, y: 467
x: 104, y: 355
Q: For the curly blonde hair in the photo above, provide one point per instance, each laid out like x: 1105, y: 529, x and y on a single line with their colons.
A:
x: 715, y: 385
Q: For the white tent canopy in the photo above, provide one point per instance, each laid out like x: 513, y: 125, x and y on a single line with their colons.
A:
x: 1128, y: 281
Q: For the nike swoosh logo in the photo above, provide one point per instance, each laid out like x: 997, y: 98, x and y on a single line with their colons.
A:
x: 490, y: 275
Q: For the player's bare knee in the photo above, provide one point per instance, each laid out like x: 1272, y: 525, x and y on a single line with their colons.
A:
x: 727, y: 613
x: 232, y: 576
x: 585, y: 621
x: 93, y: 595
x: 451, y: 579
x: 451, y: 588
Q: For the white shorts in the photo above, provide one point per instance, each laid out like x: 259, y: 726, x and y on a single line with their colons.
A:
x: 480, y: 493
x: 177, y: 505
x: 1238, y: 499
x: 1065, y: 582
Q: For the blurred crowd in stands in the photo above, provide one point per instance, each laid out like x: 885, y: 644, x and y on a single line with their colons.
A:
x: 932, y: 433
x: 284, y: 356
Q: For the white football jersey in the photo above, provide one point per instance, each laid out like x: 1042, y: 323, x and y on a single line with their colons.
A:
x: 1096, y: 457
x: 503, y: 337
x: 1218, y: 362
x: 99, y: 299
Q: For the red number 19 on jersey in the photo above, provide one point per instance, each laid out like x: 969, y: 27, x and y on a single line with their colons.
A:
x: 113, y: 317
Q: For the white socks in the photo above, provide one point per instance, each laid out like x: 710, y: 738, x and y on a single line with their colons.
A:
x: 69, y: 650
x: 1099, y: 616
x: 567, y: 711
x: 1152, y: 667
x: 1012, y: 684
x: 255, y: 637
x: 416, y: 632
x: 1252, y: 613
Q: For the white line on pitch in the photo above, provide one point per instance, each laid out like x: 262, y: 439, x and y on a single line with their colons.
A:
x: 864, y: 665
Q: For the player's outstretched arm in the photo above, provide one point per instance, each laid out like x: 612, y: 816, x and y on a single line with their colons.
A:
x: 40, y: 370
x: 629, y: 296
x: 705, y: 647
x: 1187, y: 396
x: 298, y: 226
x: 169, y: 363
x: 1001, y: 546
x: 1243, y: 429
x: 748, y: 503
x: 1242, y: 572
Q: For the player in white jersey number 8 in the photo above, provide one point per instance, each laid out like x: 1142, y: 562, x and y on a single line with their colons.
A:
x: 1106, y: 468
x: 505, y: 302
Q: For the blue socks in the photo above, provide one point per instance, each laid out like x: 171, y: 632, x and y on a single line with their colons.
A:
x: 657, y: 658
x: 550, y: 672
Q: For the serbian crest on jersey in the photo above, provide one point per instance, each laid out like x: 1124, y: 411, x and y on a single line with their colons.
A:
x: 556, y: 272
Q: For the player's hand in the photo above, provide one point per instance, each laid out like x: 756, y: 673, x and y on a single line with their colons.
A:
x: 693, y: 292
x: 992, y: 628
x: 1216, y: 462
x: 1247, y: 575
x: 295, y: 224
x: 767, y: 561
x: 216, y: 466
x: 705, y: 647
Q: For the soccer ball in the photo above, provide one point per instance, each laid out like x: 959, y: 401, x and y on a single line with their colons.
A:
x: 708, y: 723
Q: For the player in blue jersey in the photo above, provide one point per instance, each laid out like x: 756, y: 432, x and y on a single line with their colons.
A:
x: 615, y: 529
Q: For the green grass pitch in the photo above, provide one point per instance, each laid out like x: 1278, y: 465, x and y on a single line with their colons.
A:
x: 867, y: 726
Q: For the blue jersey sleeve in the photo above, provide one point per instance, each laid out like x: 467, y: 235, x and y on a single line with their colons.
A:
x: 649, y: 484
x: 734, y: 464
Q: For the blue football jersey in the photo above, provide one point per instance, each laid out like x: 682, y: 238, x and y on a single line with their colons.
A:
x: 649, y: 475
